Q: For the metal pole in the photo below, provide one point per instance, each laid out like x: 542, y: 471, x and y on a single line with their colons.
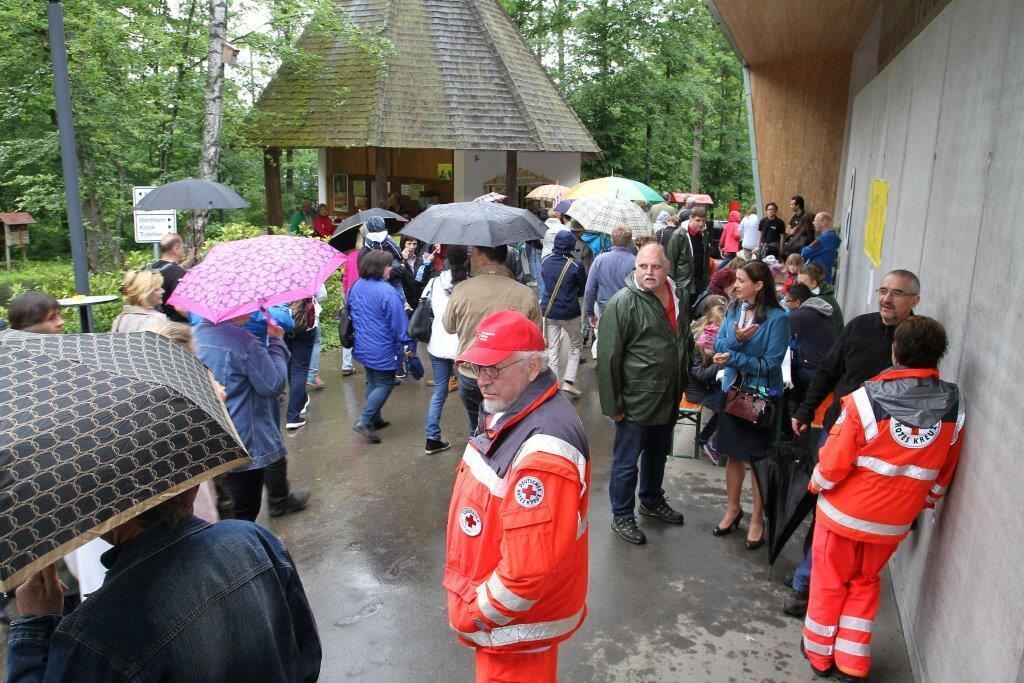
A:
x: 749, y: 100
x: 68, y: 155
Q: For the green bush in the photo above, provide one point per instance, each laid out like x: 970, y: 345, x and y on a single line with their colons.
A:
x: 56, y: 277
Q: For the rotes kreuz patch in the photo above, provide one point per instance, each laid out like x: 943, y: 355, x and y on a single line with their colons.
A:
x: 529, y: 492
x: 469, y: 522
x: 913, y: 437
x: 842, y: 417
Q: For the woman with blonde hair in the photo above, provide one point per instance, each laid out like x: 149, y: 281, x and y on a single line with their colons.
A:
x: 143, y: 291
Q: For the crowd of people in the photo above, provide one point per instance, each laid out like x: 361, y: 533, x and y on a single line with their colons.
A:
x: 747, y: 326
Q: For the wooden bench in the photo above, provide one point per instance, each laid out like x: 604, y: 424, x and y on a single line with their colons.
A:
x: 689, y: 413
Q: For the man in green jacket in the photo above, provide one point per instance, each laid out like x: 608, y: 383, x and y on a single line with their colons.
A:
x: 688, y: 256
x: 643, y: 346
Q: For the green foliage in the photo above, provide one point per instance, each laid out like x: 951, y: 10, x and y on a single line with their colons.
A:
x: 648, y: 78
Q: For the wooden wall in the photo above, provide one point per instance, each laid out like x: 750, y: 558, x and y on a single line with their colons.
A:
x: 407, y: 166
x: 799, y: 120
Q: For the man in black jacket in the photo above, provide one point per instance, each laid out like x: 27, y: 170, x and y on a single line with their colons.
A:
x: 863, y: 350
x: 810, y: 321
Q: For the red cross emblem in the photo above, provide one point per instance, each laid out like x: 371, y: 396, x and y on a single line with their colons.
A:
x: 529, y: 492
x: 469, y: 521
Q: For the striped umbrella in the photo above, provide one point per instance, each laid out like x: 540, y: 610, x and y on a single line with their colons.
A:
x: 602, y: 214
x: 548, y: 193
x: 614, y: 186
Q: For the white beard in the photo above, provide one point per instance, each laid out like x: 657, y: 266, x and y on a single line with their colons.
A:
x: 492, y: 407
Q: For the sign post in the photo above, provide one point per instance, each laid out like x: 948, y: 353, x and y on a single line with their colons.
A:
x: 151, y: 226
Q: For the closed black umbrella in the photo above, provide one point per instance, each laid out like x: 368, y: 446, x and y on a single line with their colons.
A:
x: 98, y: 428
x: 482, y: 224
x: 191, y: 194
x: 782, y: 478
x: 344, y: 237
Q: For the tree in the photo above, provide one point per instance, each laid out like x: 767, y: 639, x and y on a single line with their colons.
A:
x: 213, y: 97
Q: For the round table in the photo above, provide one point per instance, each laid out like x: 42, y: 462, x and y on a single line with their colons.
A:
x: 83, y: 303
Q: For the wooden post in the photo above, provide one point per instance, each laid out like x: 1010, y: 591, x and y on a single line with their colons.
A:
x: 379, y: 190
x: 512, y: 178
x: 272, y: 184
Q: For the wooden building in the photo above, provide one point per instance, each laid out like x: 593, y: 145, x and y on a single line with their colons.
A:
x: 908, y: 112
x: 459, y: 100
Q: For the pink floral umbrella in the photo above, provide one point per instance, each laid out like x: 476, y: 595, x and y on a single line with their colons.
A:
x: 244, y: 276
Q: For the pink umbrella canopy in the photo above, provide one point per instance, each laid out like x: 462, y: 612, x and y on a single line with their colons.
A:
x: 244, y: 276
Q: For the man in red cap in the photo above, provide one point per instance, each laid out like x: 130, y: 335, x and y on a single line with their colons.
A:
x: 516, y: 566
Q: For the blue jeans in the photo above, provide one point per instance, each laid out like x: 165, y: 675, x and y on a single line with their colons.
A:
x: 650, y: 446
x: 802, y: 574
x: 443, y: 368
x: 301, y: 346
x: 379, y: 384
x: 314, y: 361
x: 533, y: 258
x: 471, y: 397
x: 346, y: 359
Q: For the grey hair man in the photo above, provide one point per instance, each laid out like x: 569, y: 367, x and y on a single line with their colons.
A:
x: 642, y: 351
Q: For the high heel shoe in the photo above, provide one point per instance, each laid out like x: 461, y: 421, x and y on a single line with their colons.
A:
x: 754, y: 545
x: 722, y: 531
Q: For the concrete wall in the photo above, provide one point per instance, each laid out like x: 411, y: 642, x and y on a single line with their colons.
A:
x: 474, y: 167
x: 943, y: 124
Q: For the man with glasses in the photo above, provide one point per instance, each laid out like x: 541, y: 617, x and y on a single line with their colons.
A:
x: 643, y: 347
x: 516, y: 567
x: 863, y: 350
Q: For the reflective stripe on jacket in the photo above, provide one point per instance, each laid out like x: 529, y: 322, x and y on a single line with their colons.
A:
x: 876, y: 472
x: 516, y: 566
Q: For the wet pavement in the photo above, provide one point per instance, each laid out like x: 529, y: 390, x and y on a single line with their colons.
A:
x: 685, y: 607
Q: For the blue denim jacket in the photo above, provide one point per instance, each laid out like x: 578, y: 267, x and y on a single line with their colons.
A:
x: 758, y: 358
x: 253, y: 377
x: 203, y: 602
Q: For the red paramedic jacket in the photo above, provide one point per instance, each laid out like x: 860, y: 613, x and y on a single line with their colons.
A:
x: 892, y: 452
x: 516, y: 565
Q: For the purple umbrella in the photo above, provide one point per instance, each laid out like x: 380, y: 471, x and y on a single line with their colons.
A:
x: 244, y: 276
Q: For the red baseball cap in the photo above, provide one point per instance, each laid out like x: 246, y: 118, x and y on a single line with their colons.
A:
x: 501, y: 334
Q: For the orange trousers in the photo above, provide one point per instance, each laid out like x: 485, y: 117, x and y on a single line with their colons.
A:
x: 517, y: 667
x: 843, y: 600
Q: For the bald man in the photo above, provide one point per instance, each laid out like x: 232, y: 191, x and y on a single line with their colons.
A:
x: 172, y: 256
x: 825, y: 247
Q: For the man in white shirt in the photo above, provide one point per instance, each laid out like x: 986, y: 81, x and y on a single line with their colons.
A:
x: 750, y: 234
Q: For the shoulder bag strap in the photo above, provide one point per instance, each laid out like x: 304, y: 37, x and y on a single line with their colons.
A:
x: 558, y: 285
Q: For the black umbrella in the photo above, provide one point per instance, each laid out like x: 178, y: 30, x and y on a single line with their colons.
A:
x: 344, y: 237
x: 191, y: 194
x: 481, y: 224
x: 98, y: 428
x: 782, y: 478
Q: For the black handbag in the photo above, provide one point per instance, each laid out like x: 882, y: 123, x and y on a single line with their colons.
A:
x: 346, y: 332
x: 422, y: 320
x: 750, y: 404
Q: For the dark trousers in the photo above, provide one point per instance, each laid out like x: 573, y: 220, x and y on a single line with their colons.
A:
x: 246, y: 488
x: 648, y: 445
x: 300, y: 344
x: 471, y: 397
x: 379, y: 384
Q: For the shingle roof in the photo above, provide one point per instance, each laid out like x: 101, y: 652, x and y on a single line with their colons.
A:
x: 461, y: 77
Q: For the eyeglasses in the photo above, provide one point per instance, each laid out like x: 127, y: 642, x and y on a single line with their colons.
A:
x: 492, y: 371
x: 896, y: 293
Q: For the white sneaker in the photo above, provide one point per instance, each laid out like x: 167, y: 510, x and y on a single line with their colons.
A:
x: 570, y: 388
x: 302, y: 413
x: 295, y: 425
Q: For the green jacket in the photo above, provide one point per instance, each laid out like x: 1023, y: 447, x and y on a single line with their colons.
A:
x: 827, y: 293
x: 680, y: 259
x: 642, y: 365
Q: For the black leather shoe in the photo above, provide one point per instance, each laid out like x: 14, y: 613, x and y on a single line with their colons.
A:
x: 367, y: 432
x: 380, y: 424
x: 662, y: 511
x: 630, y: 532
x: 796, y: 603
x: 723, y: 531
x: 754, y: 545
x: 436, y: 446
x: 297, y: 500
x: 848, y: 678
x: 821, y: 673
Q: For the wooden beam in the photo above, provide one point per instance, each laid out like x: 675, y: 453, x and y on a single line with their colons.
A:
x: 379, y: 190
x: 272, y: 185
x: 512, y: 178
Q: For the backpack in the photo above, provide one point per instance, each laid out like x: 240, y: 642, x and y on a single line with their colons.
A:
x: 304, y: 314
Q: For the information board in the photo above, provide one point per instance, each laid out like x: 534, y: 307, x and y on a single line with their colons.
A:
x: 151, y: 226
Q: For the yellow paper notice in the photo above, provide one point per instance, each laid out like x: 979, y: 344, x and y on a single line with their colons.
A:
x: 874, y: 230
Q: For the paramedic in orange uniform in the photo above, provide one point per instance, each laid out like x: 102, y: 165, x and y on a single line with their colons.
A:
x: 516, y: 565
x: 892, y: 452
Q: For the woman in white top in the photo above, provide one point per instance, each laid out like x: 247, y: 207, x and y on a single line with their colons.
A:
x: 443, y: 347
x: 143, y: 291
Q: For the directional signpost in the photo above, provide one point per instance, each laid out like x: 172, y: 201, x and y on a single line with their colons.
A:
x: 151, y: 226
